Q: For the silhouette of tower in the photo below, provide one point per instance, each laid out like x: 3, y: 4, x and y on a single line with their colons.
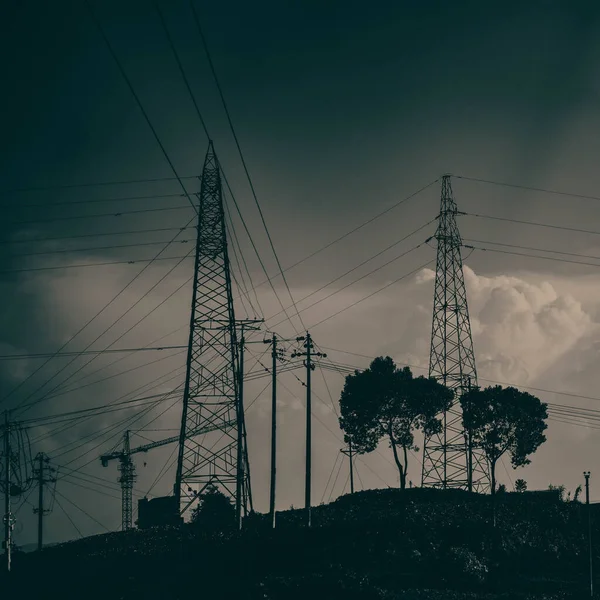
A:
x: 449, y: 460
x: 212, y: 385
x: 126, y: 480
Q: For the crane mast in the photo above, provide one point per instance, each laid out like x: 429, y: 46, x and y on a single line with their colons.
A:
x: 127, y: 469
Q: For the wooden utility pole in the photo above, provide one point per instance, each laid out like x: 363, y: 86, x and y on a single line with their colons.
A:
x: 273, y: 428
x: 309, y: 354
x: 242, y: 492
x: 42, y: 468
x: 8, y: 525
x: 589, y: 515
x: 349, y: 453
x: 469, y: 447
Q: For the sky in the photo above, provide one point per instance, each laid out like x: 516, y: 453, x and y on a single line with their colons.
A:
x: 342, y: 111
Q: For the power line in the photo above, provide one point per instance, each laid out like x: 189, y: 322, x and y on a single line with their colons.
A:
x: 82, y: 510
x: 99, y: 215
x: 373, y: 293
x: 95, y: 249
x: 99, y: 409
x: 529, y: 188
x: 237, y: 143
x: 551, y: 258
x: 355, y: 229
x: 137, y: 99
x: 44, y: 188
x: 86, y: 352
x: 526, y: 387
x: 180, y: 66
x: 114, y: 323
x: 91, y: 235
x: 99, y: 264
x: 98, y: 200
x: 108, y: 304
x: 534, y: 249
x: 533, y: 223
x: 203, y: 123
x: 114, y: 375
x: 68, y: 517
x: 356, y: 267
x: 85, y: 487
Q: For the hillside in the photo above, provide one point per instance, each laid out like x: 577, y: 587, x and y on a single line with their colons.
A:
x: 413, y: 545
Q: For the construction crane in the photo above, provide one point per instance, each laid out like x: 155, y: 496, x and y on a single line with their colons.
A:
x: 127, y: 469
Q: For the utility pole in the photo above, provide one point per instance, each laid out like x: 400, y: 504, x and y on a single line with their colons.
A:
x: 243, y: 476
x: 469, y: 446
x: 273, y: 342
x: 586, y: 474
x: 309, y: 354
x: 43, y: 467
x: 8, y: 520
x: 349, y: 453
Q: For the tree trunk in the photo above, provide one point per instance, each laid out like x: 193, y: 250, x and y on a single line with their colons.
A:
x: 396, y: 459
x: 493, y: 482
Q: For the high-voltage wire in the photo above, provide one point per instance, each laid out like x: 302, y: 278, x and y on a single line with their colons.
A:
x: 550, y: 258
x: 83, y: 511
x: 241, y: 154
x: 91, y: 235
x: 529, y: 188
x: 505, y: 383
x: 381, y: 289
x: 355, y: 229
x: 203, y: 123
x: 91, y: 320
x: 364, y: 262
x: 98, y: 216
x: 532, y: 223
x: 109, y: 377
x: 45, y: 188
x: 69, y: 518
x: 534, y: 249
x: 137, y: 99
x: 95, y: 249
x: 109, y: 328
x: 98, y: 200
x: 97, y: 264
x: 86, y: 352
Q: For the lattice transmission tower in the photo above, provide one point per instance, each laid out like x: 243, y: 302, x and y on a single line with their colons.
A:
x: 449, y: 458
x: 212, y: 398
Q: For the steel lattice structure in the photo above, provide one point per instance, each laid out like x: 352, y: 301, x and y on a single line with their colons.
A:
x: 449, y: 460
x: 212, y: 386
x: 127, y: 470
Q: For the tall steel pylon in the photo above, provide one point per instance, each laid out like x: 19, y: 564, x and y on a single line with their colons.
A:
x: 449, y: 459
x: 212, y: 386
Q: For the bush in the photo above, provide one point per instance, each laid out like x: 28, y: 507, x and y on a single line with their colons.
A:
x: 214, y: 511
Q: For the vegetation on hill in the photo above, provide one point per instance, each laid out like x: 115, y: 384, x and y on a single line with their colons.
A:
x: 413, y: 544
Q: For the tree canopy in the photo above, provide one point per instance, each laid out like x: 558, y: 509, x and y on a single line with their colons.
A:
x: 504, y: 420
x: 384, y: 401
x: 214, y: 511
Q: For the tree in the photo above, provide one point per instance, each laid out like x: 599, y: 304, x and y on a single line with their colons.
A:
x: 214, y: 511
x: 520, y: 485
x: 504, y: 420
x: 384, y: 401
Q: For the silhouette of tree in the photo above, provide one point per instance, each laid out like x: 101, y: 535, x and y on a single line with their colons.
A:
x: 520, y: 485
x: 504, y: 420
x: 214, y: 511
x: 384, y: 401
